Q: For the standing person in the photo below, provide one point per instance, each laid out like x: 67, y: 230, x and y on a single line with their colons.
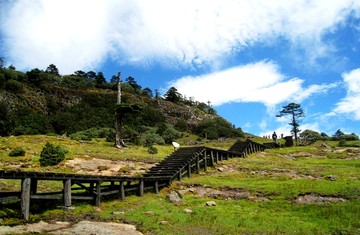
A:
x: 274, y: 137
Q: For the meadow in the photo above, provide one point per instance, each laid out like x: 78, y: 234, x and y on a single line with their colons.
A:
x: 298, y: 190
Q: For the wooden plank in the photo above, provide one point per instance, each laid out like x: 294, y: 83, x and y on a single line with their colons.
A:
x: 47, y: 197
x: 76, y: 197
x: 25, y: 198
x: 8, y: 198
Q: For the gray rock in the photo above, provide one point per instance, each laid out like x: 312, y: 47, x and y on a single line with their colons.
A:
x: 150, y: 213
x: 331, y: 177
x: 118, y: 213
x: 188, y: 211
x: 174, y: 196
x: 210, y: 203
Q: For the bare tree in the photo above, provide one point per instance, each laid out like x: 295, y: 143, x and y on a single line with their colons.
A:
x: 119, y: 143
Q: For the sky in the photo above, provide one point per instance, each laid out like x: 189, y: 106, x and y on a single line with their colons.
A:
x: 248, y: 58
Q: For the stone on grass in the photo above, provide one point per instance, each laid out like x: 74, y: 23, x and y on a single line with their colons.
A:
x: 150, y: 213
x: 174, y: 196
x: 118, y: 213
x: 188, y: 211
x: 210, y: 203
x: 331, y: 177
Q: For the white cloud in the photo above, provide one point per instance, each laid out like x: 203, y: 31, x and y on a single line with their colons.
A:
x: 314, y: 89
x: 71, y: 34
x: 83, y: 33
x: 258, y: 82
x: 351, y: 103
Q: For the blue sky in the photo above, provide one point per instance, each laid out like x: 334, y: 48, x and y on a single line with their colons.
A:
x: 247, y: 57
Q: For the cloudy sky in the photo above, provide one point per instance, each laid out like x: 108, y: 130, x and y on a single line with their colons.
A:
x: 247, y: 57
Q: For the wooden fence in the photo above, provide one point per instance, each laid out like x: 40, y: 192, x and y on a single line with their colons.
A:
x: 183, y: 162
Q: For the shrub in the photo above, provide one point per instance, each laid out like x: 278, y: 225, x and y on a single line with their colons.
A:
x: 152, y: 150
x: 92, y: 133
x: 13, y: 86
x: 18, y: 151
x: 52, y: 155
x: 170, y: 134
x: 30, y: 123
x: 181, y: 125
x: 149, y: 138
x: 342, y: 143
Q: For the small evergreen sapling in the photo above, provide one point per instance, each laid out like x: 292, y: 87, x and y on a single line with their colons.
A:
x: 18, y: 151
x: 52, y: 155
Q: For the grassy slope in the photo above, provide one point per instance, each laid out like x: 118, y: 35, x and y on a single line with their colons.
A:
x: 269, y: 174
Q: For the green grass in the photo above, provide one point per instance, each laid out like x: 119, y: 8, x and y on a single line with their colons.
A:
x: 98, y: 148
x: 280, y: 175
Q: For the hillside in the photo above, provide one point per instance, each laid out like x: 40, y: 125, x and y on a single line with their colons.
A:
x: 43, y: 102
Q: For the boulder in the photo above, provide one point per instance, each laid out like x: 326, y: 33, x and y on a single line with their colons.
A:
x: 174, y: 196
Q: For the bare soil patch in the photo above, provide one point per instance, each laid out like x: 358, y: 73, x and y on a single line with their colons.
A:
x: 222, y: 194
x: 66, y: 228
x: 317, y: 199
x: 98, y: 166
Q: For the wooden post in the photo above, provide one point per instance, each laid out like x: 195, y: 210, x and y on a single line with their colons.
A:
x: 156, y: 187
x: 91, y: 188
x: 205, y: 161
x: 179, y: 176
x: 67, y: 192
x: 189, y: 170
x: 33, y: 186
x: 122, y: 191
x: 197, y: 164
x: 25, y: 198
x: 212, y: 158
x: 98, y: 193
x: 141, y: 188
x: 217, y: 157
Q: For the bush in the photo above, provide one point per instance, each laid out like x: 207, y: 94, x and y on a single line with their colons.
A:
x: 152, y: 150
x: 30, y: 123
x: 342, y: 143
x: 52, y: 155
x: 170, y: 134
x: 91, y: 133
x: 149, y: 138
x: 13, y: 86
x: 18, y: 151
x: 181, y: 125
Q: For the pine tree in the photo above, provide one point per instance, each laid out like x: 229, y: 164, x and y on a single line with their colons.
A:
x: 296, y: 112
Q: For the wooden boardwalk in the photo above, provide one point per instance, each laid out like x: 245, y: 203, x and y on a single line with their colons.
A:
x: 183, y: 162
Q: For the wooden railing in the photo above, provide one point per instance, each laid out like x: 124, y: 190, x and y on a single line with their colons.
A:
x: 183, y: 162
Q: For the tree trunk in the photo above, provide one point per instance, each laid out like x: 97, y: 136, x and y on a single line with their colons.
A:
x: 119, y: 143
